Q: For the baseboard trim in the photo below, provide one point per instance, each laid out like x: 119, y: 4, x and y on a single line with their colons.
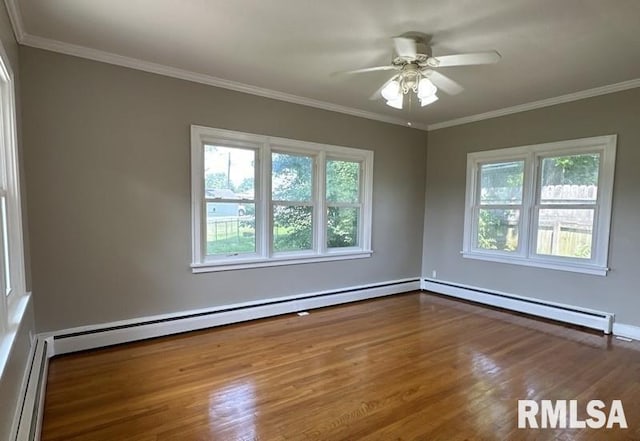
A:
x: 628, y: 331
x: 28, y: 425
x: 602, y: 321
x: 107, y: 334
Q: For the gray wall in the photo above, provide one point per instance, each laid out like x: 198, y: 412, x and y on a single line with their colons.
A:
x: 12, y: 376
x: 444, y: 212
x: 107, y: 169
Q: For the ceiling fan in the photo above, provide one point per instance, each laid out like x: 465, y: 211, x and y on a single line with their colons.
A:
x: 416, y: 72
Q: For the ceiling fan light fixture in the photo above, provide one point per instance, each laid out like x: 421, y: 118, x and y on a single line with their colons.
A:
x: 416, y: 71
x: 425, y: 101
x: 396, y: 102
x: 391, y: 91
x: 426, y: 89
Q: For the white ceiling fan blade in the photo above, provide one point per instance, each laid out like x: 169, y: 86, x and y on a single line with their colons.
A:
x: 445, y: 83
x: 378, y: 93
x: 406, y: 47
x: 468, y: 59
x: 366, y: 69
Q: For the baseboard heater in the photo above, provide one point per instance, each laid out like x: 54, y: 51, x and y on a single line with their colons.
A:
x: 107, y: 334
x: 602, y: 321
x: 29, y: 419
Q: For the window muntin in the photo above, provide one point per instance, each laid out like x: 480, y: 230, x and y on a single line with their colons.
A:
x: 545, y: 205
x: 288, y: 214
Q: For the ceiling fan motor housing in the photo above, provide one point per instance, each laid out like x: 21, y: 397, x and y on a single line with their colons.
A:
x: 423, y: 53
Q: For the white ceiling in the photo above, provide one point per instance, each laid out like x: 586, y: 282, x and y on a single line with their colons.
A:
x: 549, y: 48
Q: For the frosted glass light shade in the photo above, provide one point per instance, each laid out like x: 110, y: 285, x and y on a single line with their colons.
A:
x: 426, y: 88
x: 397, y: 102
x: 424, y: 101
x: 391, y: 91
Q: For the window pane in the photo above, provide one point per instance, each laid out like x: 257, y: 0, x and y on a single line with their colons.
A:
x: 292, y: 228
x: 229, y: 209
x: 291, y: 177
x: 342, y: 227
x: 498, y: 229
x: 570, y: 179
x: 229, y: 173
x: 565, y: 232
x: 501, y: 183
x: 231, y: 228
x: 343, y: 181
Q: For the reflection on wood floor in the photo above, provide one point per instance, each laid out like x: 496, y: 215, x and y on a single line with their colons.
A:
x: 408, y: 367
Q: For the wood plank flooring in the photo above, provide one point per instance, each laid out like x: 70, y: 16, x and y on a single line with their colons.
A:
x: 408, y: 367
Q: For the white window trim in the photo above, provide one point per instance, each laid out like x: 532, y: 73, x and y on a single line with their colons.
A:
x: 13, y: 303
x: 525, y: 255
x: 264, y: 255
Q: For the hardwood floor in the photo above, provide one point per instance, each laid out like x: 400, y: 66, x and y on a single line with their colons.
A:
x: 407, y: 367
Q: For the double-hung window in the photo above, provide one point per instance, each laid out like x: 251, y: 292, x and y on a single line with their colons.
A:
x: 546, y: 205
x: 263, y: 201
x: 344, y: 202
x: 12, y: 283
x: 292, y: 203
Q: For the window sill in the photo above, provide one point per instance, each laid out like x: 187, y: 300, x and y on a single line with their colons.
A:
x: 561, y: 266
x: 8, y: 338
x: 236, y: 264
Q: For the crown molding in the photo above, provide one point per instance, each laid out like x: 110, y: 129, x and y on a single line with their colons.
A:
x: 597, y: 91
x: 15, y: 17
x: 26, y: 39
x: 168, y: 71
x: 17, y: 23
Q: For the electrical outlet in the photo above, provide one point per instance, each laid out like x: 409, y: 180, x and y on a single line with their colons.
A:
x: 434, y: 274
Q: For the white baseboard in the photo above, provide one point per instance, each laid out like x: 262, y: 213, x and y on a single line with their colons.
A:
x: 107, y: 334
x: 589, y: 318
x: 28, y: 422
x: 628, y: 331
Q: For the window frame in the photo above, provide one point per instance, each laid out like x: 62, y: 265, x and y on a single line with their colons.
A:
x: 265, y: 254
x: 360, y: 204
x: 524, y: 214
x: 275, y: 148
x: 13, y: 301
x: 200, y: 212
x: 526, y: 253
